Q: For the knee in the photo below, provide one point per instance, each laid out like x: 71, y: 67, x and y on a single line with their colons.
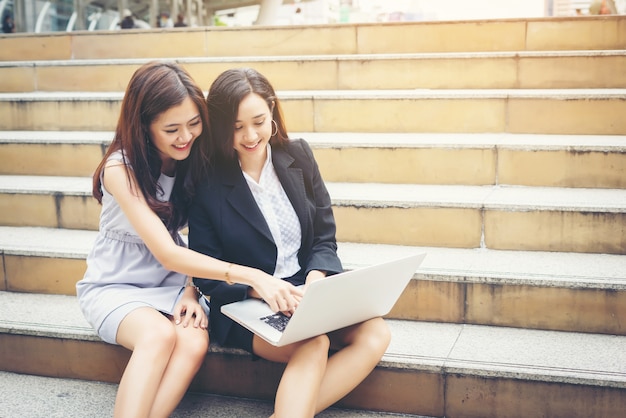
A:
x: 191, y: 353
x: 322, y: 343
x: 318, y: 347
x: 376, y: 335
x: 160, y: 338
x: 194, y: 344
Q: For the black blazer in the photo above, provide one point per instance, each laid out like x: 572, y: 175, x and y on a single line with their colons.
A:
x: 226, y: 223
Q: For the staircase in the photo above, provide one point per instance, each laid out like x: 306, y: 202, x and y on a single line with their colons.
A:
x: 498, y: 147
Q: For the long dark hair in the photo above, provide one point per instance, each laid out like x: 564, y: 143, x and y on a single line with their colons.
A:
x: 153, y: 89
x: 225, y: 94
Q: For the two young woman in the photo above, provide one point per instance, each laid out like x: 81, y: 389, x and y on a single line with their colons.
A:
x: 261, y: 223
x: 136, y: 291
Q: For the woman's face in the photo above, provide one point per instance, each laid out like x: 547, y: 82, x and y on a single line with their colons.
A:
x: 253, y: 127
x: 173, y: 133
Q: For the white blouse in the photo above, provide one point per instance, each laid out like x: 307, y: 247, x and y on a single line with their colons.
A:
x: 280, y: 216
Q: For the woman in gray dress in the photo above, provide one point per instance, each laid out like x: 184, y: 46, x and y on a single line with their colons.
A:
x: 136, y: 291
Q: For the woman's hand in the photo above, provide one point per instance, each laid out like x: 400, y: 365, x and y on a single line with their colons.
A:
x: 278, y: 294
x: 188, y: 309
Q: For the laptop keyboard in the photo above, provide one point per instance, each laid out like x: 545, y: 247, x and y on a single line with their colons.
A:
x: 278, y: 320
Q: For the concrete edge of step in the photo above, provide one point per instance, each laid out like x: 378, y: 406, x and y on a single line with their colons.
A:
x: 389, y: 94
x: 510, y: 198
x: 389, y: 140
x: 57, y: 137
x: 316, y: 58
x: 388, y: 195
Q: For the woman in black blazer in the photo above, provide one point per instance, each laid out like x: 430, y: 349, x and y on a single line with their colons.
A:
x: 266, y: 206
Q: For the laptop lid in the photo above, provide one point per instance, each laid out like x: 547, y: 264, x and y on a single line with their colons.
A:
x: 332, y: 303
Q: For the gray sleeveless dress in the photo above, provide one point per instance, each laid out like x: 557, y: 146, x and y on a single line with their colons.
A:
x: 122, y: 274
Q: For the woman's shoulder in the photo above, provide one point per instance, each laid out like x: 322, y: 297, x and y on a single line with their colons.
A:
x: 117, y: 158
x: 297, y: 142
x: 298, y: 148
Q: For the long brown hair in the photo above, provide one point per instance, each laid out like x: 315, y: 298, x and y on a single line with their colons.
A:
x: 225, y: 94
x: 153, y: 89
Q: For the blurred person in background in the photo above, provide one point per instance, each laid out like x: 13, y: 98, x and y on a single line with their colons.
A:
x: 180, y: 21
x: 8, y: 26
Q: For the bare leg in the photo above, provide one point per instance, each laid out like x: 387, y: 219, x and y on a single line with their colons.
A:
x: 189, y: 353
x: 151, y: 337
x: 297, y: 392
x: 363, y: 346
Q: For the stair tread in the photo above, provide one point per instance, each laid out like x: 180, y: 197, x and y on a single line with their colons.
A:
x: 321, y: 57
x: 492, y: 197
x: 488, y: 197
x: 56, y: 137
x: 394, y: 94
x: 535, y: 142
x: 39, y: 396
x: 473, y: 265
x: 550, y: 356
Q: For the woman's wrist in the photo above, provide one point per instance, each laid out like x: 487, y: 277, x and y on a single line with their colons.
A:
x: 227, y: 274
x: 192, y: 290
x: 315, y: 275
x: 252, y: 293
x: 240, y: 274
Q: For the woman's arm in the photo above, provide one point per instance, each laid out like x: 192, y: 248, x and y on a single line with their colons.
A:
x: 153, y: 232
x: 323, y: 259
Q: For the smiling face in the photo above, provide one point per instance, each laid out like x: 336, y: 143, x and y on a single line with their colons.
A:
x: 173, y: 132
x: 252, y: 130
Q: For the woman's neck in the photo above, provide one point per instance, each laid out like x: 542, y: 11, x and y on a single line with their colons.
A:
x: 168, y: 167
x: 253, y: 165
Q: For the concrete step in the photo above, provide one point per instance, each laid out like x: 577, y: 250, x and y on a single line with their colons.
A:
x: 495, y: 217
x: 575, y: 111
x: 540, y: 290
x: 52, y: 153
x: 432, y: 369
x: 477, y: 70
x: 38, y: 396
x: 606, y: 32
x: 62, y: 202
x: 593, y: 161
x: 512, y: 218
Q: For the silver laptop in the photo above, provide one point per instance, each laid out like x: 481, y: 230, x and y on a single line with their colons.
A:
x: 329, y: 304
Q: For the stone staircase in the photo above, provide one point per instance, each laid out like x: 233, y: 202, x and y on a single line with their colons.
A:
x: 498, y: 147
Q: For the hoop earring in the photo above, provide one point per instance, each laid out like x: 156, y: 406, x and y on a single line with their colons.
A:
x: 275, y: 125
